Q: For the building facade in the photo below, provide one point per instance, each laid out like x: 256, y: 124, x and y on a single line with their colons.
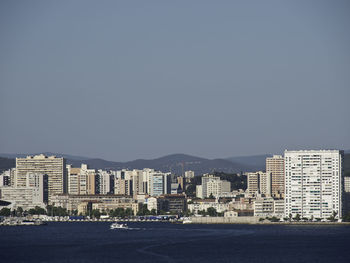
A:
x: 313, y: 183
x: 53, y: 167
x: 275, y: 171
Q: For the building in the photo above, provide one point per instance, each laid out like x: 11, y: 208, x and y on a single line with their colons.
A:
x: 5, y: 178
x: 313, y: 183
x: 159, y: 183
x: 259, y: 183
x: 53, y: 167
x: 218, y: 187
x: 275, y: 170
x: 73, y: 175
x: 106, y: 182
x: 173, y: 203
x: 34, y: 193
x: 189, y: 175
x: 253, y: 182
x: 81, y: 181
x: 182, y: 182
x: 269, y: 207
x: 201, y: 205
x: 123, y: 187
x: 347, y: 184
x: 265, y: 183
x: 199, y: 191
x: 213, y: 185
x: 102, y: 202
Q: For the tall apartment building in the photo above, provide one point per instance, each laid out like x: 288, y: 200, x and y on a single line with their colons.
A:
x: 259, y: 183
x: 123, y: 187
x: 53, y: 167
x: 313, y: 183
x: 253, y: 183
x: 106, y: 183
x: 81, y: 181
x: 159, y: 183
x: 265, y: 183
x: 275, y: 170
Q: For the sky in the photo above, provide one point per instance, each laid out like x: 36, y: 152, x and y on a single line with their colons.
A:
x: 123, y: 80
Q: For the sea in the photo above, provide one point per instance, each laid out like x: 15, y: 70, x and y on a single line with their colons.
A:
x: 168, y: 242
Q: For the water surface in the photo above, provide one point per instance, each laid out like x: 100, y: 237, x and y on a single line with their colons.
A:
x: 166, y: 242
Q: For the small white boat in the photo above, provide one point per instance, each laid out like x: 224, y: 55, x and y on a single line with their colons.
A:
x: 118, y: 226
x: 187, y: 220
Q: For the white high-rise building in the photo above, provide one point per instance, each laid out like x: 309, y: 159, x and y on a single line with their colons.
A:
x: 313, y: 183
x: 104, y: 182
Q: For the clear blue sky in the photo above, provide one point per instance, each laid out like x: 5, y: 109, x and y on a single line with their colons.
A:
x: 123, y: 80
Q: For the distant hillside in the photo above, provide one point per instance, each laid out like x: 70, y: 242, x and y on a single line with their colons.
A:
x: 176, y: 163
x: 254, y: 162
x: 6, y: 163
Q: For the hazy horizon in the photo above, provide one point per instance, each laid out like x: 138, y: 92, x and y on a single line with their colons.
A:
x: 126, y: 80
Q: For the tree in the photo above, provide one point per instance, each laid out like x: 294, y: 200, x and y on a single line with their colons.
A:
x: 297, y: 218
x: 129, y: 212
x: 5, y: 212
x: 333, y: 217
x: 346, y: 218
x: 237, y: 181
x: 37, y: 211
x: 211, y: 211
x: 19, y: 211
x: 56, y: 211
x: 143, y: 210
x: 274, y: 219
x: 153, y: 212
x: 211, y: 196
x: 95, y: 213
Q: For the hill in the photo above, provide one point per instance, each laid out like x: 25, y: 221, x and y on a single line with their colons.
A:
x: 175, y: 163
x: 254, y: 162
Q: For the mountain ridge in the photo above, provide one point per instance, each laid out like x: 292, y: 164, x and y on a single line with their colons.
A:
x: 176, y: 163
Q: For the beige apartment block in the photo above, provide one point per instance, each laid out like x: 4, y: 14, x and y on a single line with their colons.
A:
x: 275, y: 168
x: 52, y: 166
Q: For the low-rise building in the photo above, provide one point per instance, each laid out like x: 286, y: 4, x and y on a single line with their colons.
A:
x: 34, y: 193
x: 269, y: 207
x: 174, y: 203
x: 71, y: 202
x: 201, y: 205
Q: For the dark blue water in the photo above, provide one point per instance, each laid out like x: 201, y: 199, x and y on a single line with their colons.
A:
x: 165, y: 242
